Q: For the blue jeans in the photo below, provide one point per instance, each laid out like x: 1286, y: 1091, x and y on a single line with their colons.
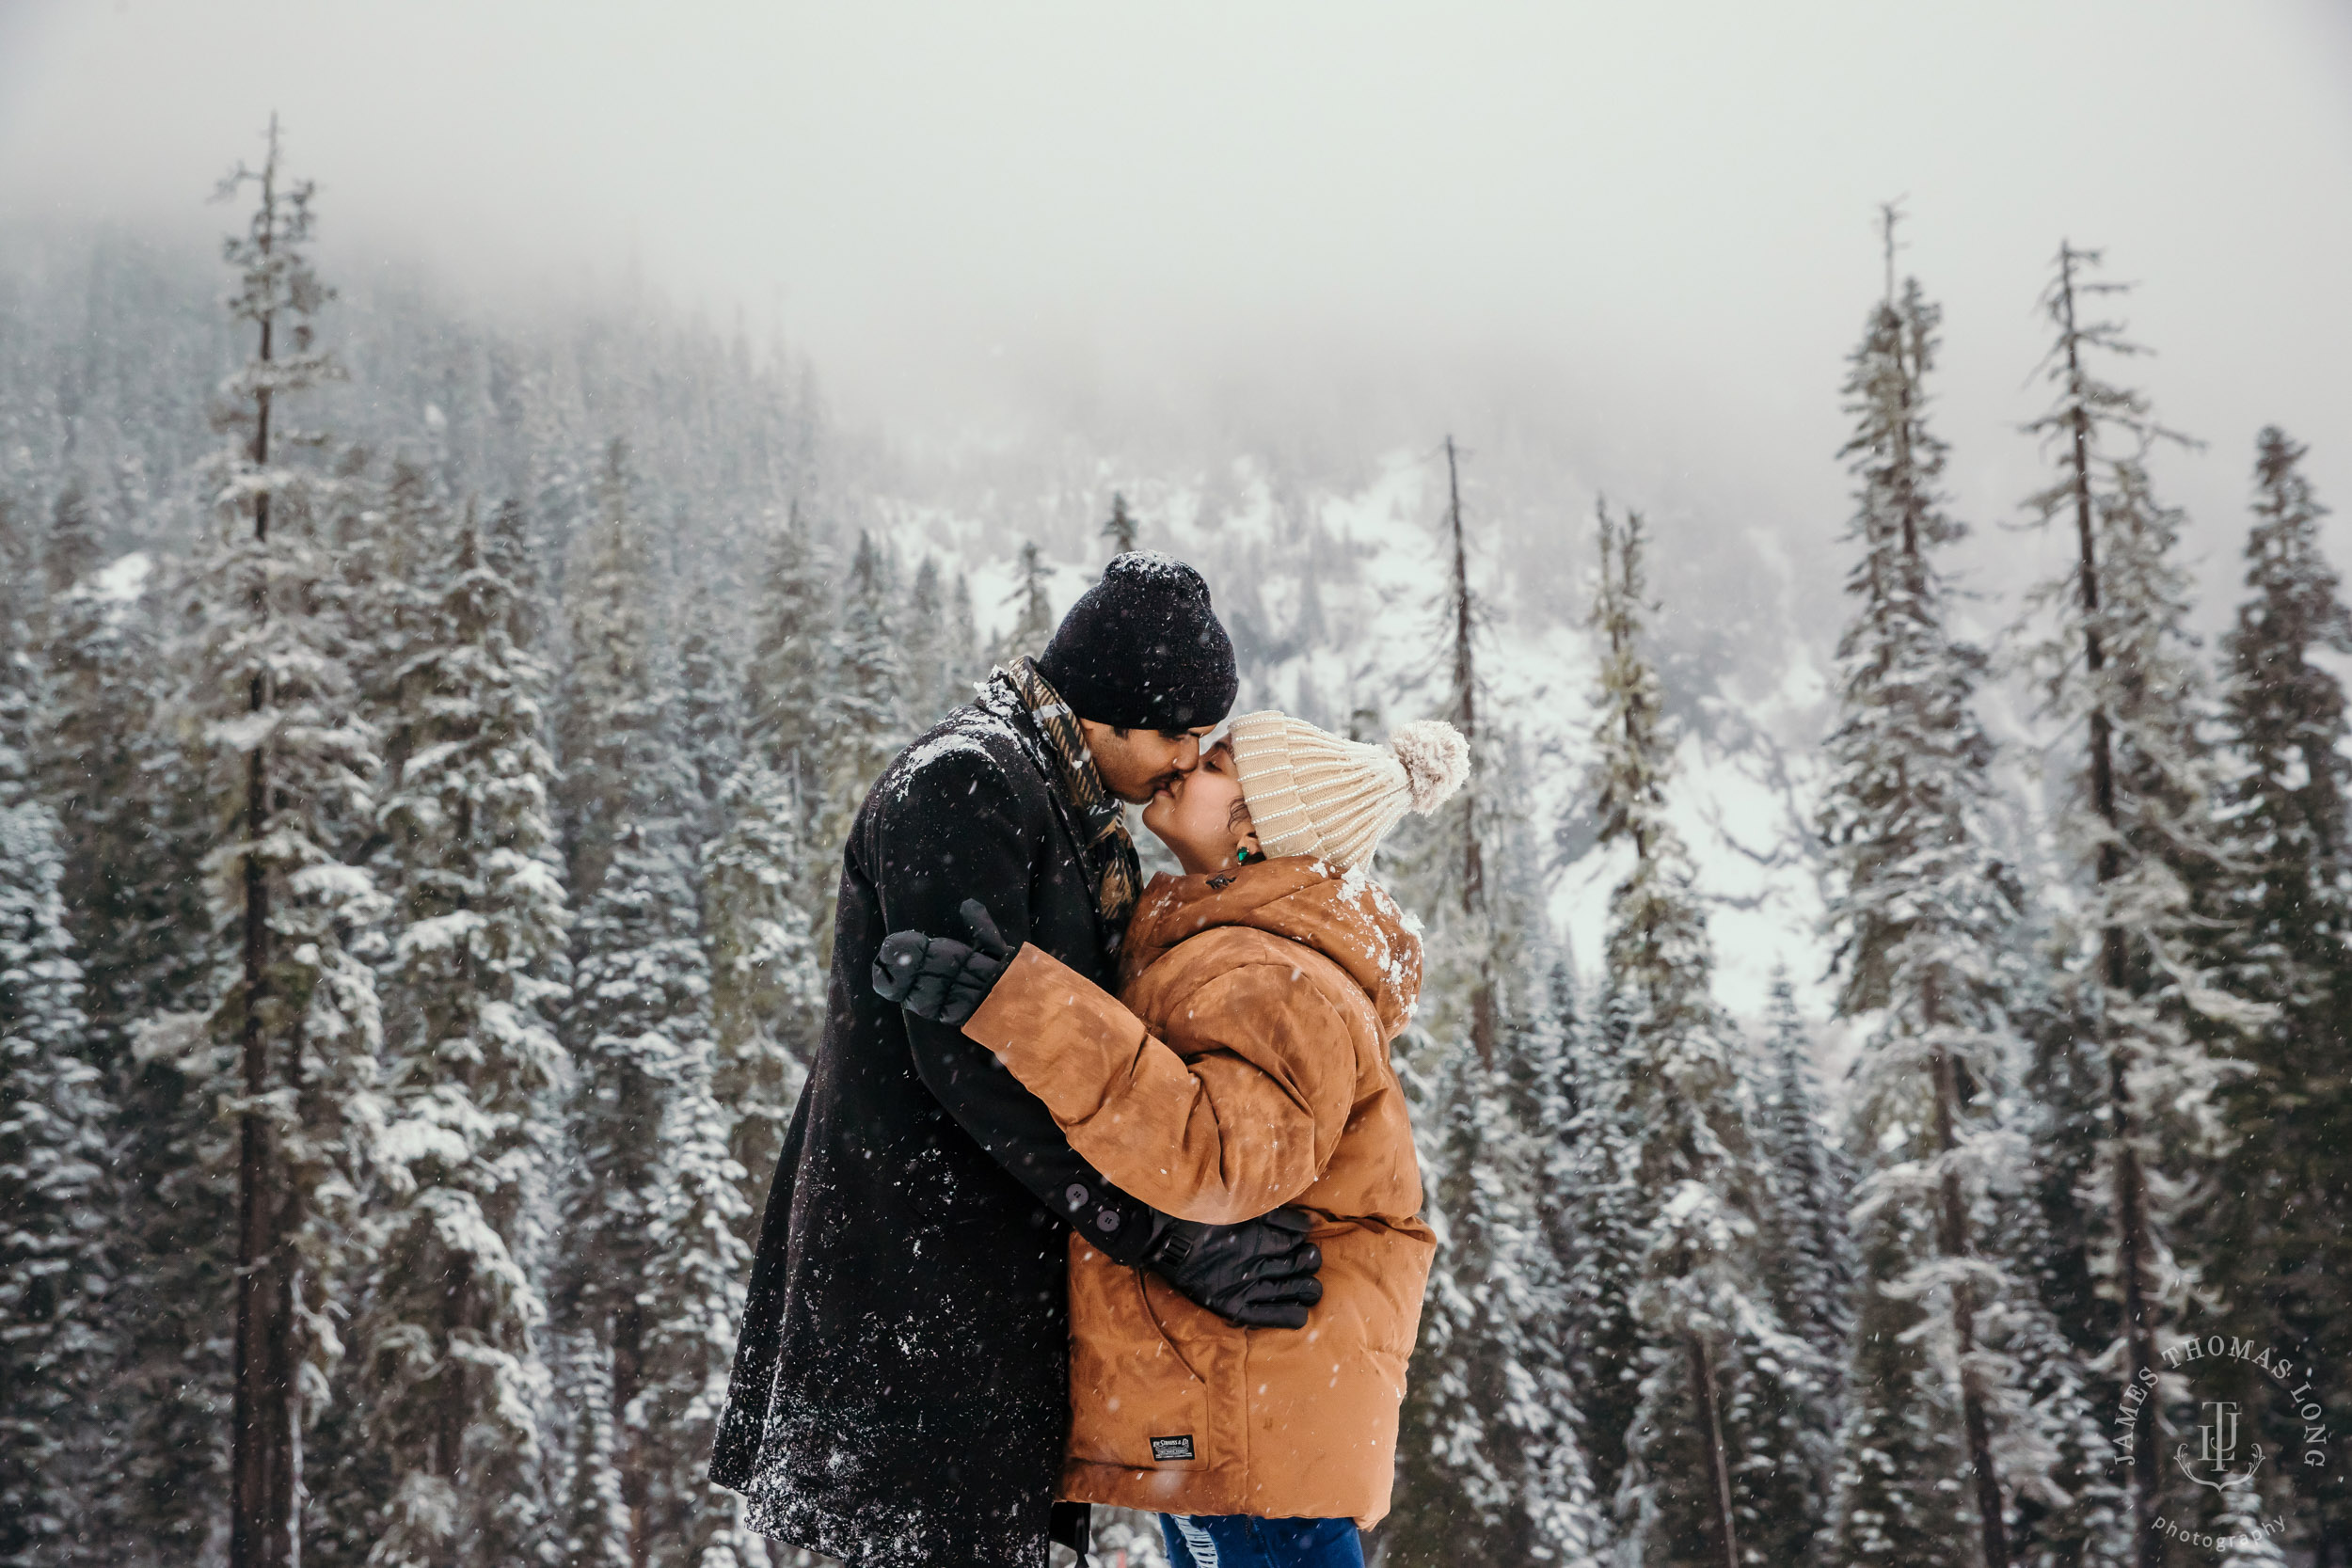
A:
x: 1238, y: 1541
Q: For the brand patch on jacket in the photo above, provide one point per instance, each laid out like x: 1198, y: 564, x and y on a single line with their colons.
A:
x: 1172, y: 1448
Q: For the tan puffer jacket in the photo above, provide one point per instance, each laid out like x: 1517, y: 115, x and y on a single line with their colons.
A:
x: 1247, y: 1068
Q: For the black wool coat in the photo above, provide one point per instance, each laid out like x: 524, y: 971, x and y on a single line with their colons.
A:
x: 900, y: 1393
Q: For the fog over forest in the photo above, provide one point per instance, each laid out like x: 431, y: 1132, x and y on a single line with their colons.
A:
x: 725, y: 395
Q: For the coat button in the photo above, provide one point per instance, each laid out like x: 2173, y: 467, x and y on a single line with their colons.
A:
x: 1075, y: 1196
x: 1107, y: 1219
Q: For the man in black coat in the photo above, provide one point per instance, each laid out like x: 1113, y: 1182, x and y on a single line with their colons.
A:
x: 900, y: 1393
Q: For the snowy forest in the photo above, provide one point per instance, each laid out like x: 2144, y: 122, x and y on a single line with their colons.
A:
x: 426, y: 741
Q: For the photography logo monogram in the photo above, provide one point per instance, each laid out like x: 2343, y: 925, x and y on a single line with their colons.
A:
x: 2225, y: 1458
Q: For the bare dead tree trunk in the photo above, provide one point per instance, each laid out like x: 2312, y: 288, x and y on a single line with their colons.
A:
x: 1466, y: 719
x: 2130, y: 1185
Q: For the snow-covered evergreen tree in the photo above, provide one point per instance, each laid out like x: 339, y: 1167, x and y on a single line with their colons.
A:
x: 2073, y: 1502
x: 710, y: 707
x: 612, y: 706
x: 638, y: 1030
x: 1490, y: 1464
x: 1725, y: 1382
x: 1902, y: 1497
x: 962, y: 654
x: 1807, y: 1242
x: 694, y: 1302
x: 2282, y: 917
x: 926, y: 647
x: 1121, y: 528
x: 1604, y: 1339
x: 2121, y: 670
x: 134, y: 825
x: 270, y: 703
x: 766, y: 983
x: 866, y: 705
x: 789, y: 696
x: 1921, y: 905
x: 1032, y: 603
x: 57, y: 1349
x: 450, y: 1332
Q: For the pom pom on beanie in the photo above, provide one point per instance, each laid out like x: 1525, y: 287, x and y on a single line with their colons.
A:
x: 1435, y: 759
x: 1311, y: 793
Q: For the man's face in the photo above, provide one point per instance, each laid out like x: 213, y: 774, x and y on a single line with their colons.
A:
x: 1135, y: 763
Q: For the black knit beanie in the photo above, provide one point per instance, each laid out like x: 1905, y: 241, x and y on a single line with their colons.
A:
x: 1142, y: 650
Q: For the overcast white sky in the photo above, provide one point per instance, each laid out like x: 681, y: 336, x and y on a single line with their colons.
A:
x: 1644, y: 230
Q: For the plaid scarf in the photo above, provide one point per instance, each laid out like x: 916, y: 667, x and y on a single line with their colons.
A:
x: 1104, y: 849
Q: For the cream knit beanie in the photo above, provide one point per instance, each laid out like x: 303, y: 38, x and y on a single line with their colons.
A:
x: 1311, y: 793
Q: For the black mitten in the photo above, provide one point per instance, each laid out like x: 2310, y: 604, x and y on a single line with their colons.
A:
x: 939, y: 977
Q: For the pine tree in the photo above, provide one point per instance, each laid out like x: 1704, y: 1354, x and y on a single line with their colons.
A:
x: 598, y: 1530
x: 924, y: 648
x: 767, y: 986
x: 1809, y: 1270
x: 1604, y: 1338
x: 2284, y: 916
x: 711, y: 713
x: 638, y: 1024
x: 1493, y: 1470
x: 637, y: 1027
x: 1033, y: 623
x: 449, y: 1334
x: 962, y: 654
x: 58, y: 1344
x: 611, y: 708
x: 695, y: 1299
x: 134, y: 826
x: 868, y: 688
x: 2073, y: 1503
x: 2120, y: 671
x: 1120, y: 530
x: 74, y: 547
x: 1900, y: 1457
x: 787, y: 691
x: 272, y: 703
x: 1724, y: 1380
x: 1490, y: 1463
x: 1921, y: 908
x: 1807, y: 1238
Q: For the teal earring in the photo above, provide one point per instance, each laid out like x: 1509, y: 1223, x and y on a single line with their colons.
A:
x: 1242, y: 855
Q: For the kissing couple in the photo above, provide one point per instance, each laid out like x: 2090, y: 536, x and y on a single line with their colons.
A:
x: 1100, y: 1193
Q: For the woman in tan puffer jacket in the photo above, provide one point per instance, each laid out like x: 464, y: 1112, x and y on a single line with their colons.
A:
x: 1243, y: 1067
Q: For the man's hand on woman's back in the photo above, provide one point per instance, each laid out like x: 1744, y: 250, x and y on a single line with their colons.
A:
x: 1259, y: 1274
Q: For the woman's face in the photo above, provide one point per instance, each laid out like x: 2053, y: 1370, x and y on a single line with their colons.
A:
x: 1200, y: 817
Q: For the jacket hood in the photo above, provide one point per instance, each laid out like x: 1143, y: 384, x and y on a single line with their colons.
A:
x: 1346, y: 918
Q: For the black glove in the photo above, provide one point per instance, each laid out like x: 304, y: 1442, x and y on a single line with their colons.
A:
x: 1259, y: 1274
x: 939, y: 977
